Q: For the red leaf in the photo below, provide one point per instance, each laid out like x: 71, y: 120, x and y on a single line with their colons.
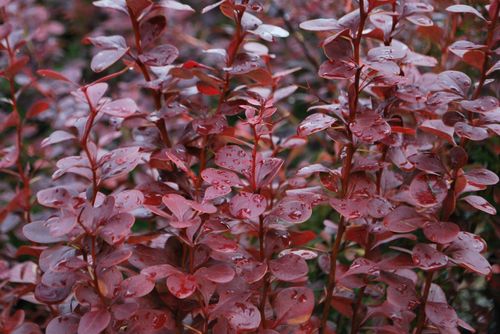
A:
x: 159, y: 271
x: 95, y: 92
x: 39, y: 231
x: 404, y: 219
x: 438, y: 128
x: 63, y: 324
x: 137, y: 286
x: 299, y: 238
x: 370, y: 127
x: 427, y: 162
x: 221, y: 182
x: 247, y: 205
x: 118, y: 5
x: 234, y: 158
x: 293, y: 211
x: 177, y: 204
x: 314, y: 123
x: 428, y: 190
x: 37, y: 108
x: 207, y: 89
x: 53, y: 75
x: 150, y: 321
x: 219, y: 243
x: 57, y: 137
x: 464, y: 9
x: 170, y: 4
x: 16, y: 66
x: 339, y: 47
x: 105, y: 58
x: 117, y: 256
x: 266, y: 170
x: 293, y: 306
x: 338, y: 69
x: 94, y: 322
x: 484, y: 104
x: 120, y: 108
x: 385, y: 53
x: 289, y: 268
x: 56, y: 197
x: 117, y: 228
x: 161, y: 55
x: 320, y: 25
x: 481, y: 177
x: 441, y: 232
x: 119, y: 162
x: 428, y: 258
x: 454, y: 81
x: 481, y: 204
x: 268, y: 32
x: 181, y: 285
x: 107, y: 42
x: 152, y: 28
x: 8, y: 156
x: 442, y: 316
x: 475, y: 133
x: 400, y: 290
x: 218, y: 273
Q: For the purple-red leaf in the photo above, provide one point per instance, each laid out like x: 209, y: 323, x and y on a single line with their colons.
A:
x: 161, y: 55
x: 404, y: 219
x: 293, y: 306
x: 320, y: 25
x: 94, y: 322
x: 481, y: 204
x: 247, y: 205
x: 289, y: 268
x: 234, y: 158
x: 465, y: 9
x: 428, y: 190
x: 119, y: 162
x: 105, y: 58
x: 120, y: 108
x: 314, y: 123
x: 181, y: 285
x: 137, y: 286
x: 441, y: 232
x: 427, y: 257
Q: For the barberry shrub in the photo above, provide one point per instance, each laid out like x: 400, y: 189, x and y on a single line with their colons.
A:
x: 248, y: 166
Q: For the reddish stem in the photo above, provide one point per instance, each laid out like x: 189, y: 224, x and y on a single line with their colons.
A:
x: 25, y: 179
x: 160, y: 124
x: 346, y: 171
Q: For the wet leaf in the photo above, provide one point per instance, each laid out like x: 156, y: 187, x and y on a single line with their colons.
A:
x: 161, y: 55
x: 120, y: 108
x: 404, y: 219
x: 247, y: 205
x: 105, y: 58
x: 94, y: 322
x: 234, y: 158
x: 289, y: 268
x: 181, y: 285
x: 465, y: 9
x: 293, y: 305
x: 481, y: 204
x: 441, y: 232
x: 320, y: 25
x: 314, y: 123
x: 428, y: 190
x: 428, y: 258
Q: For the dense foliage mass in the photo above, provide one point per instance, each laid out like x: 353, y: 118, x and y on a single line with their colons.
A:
x: 244, y: 166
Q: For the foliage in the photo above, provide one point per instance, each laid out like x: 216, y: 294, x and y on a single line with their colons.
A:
x: 248, y: 166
